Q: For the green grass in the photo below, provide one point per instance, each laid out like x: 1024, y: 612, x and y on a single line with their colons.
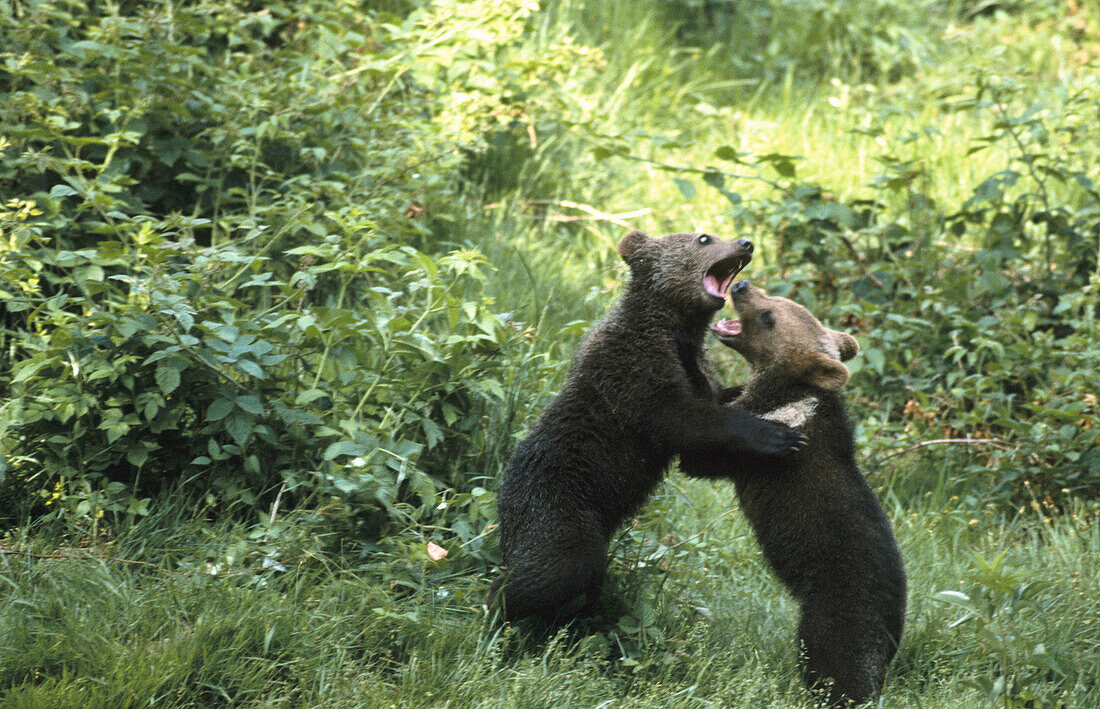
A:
x: 684, y: 93
x: 708, y: 625
x: 845, y: 133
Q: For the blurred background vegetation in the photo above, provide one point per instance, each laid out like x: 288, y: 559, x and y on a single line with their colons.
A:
x: 281, y: 285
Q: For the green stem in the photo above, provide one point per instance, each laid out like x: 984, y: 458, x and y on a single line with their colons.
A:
x: 262, y: 250
x: 389, y: 358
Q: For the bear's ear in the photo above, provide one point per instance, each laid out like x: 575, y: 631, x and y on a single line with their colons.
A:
x: 845, y: 343
x: 825, y: 372
x: 632, y: 245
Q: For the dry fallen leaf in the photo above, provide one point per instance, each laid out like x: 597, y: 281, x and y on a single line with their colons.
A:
x: 436, y: 552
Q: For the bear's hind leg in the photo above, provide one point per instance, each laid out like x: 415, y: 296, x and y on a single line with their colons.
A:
x: 841, y: 653
x: 551, y: 574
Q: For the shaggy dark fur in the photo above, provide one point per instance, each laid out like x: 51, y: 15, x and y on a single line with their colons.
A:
x: 638, y: 392
x: 818, y: 522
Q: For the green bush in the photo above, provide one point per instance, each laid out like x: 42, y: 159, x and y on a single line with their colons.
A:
x: 979, y: 319
x: 227, y: 256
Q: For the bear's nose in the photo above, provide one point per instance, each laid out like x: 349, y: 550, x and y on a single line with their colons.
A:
x: 739, y: 287
x: 744, y: 244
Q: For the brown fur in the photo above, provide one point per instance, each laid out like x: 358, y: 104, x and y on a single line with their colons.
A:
x: 818, y: 523
x: 602, y: 445
x: 797, y: 346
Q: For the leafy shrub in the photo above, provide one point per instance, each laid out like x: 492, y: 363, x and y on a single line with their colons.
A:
x: 225, y: 257
x: 169, y: 366
x: 980, y: 320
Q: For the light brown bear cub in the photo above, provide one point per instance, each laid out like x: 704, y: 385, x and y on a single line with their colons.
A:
x: 819, y: 524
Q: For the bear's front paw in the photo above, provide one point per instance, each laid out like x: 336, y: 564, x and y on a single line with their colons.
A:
x: 777, y: 439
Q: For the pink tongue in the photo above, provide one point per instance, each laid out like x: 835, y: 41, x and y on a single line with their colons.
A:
x: 712, y: 286
x: 727, y: 327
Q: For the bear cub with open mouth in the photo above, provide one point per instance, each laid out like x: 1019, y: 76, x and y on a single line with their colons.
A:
x: 818, y: 522
x: 639, y: 391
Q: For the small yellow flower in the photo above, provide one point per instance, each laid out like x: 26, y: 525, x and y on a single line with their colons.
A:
x: 58, y: 491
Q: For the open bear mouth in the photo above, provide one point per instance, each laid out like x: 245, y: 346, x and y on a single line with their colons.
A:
x: 718, y: 277
x: 727, y: 328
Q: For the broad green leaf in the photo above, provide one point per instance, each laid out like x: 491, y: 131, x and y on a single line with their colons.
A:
x: 727, y: 153
x: 686, y: 187
x: 343, y: 448
x: 218, y: 410
x: 239, y: 427
x: 250, y: 403
x: 168, y: 377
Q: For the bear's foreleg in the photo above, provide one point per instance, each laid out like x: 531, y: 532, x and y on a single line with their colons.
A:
x: 687, y: 424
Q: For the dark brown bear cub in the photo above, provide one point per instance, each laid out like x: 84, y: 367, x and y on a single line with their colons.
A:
x: 819, y: 524
x: 637, y: 393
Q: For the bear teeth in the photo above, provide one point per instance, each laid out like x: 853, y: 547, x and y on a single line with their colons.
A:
x: 717, y: 280
x: 727, y: 328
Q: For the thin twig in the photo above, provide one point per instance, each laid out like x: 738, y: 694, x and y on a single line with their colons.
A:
x: 700, y: 170
x: 705, y: 529
x: 593, y: 213
x: 994, y: 442
x: 859, y: 261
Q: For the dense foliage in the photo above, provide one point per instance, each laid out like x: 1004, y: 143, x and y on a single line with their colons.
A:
x: 227, y: 256
x: 234, y: 249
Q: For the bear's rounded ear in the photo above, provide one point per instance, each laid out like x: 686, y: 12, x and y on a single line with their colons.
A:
x: 633, y: 244
x: 846, y: 344
x: 825, y: 372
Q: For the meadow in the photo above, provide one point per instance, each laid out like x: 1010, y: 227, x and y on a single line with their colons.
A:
x: 284, y: 284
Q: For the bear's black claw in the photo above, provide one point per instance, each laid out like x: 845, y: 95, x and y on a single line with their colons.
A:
x: 779, y: 440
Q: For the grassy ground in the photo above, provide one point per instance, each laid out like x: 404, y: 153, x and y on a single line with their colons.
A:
x: 693, y: 619
x: 172, y: 611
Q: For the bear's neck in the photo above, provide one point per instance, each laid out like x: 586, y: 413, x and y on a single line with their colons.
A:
x: 767, y: 391
x: 649, y: 310
x: 819, y: 413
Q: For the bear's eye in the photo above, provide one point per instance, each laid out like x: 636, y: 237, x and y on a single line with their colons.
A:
x: 767, y: 319
x: 704, y: 239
